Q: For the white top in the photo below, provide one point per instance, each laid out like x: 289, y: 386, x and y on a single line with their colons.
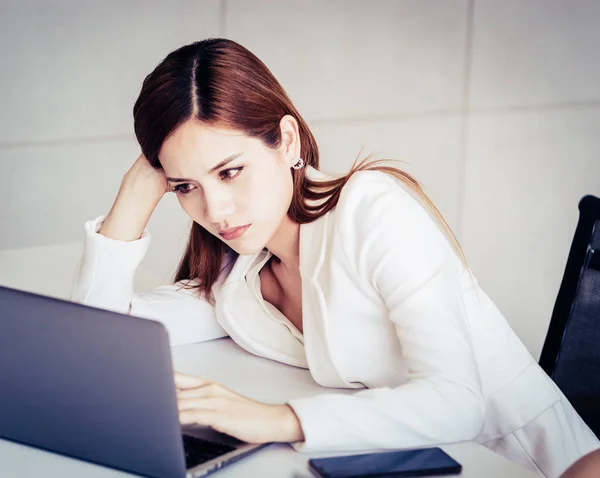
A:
x: 387, y: 309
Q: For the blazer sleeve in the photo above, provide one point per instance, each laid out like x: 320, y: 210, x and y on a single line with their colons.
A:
x: 390, y: 239
x: 105, y: 280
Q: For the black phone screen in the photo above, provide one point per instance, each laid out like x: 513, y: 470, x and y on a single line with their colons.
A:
x: 421, y: 462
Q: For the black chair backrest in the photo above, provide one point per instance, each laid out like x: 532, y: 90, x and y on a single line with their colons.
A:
x: 571, y: 351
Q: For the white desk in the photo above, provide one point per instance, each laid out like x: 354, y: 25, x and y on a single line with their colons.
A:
x: 223, y: 361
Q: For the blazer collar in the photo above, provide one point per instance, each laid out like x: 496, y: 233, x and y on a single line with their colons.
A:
x: 313, y: 236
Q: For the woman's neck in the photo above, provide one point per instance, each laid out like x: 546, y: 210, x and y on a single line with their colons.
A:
x: 285, y: 245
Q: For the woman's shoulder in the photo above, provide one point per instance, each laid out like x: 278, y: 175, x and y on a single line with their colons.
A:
x: 362, y: 185
x: 368, y: 189
x: 371, y: 181
x: 374, y: 202
x: 377, y: 212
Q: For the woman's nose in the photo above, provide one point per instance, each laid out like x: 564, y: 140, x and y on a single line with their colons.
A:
x: 218, y: 209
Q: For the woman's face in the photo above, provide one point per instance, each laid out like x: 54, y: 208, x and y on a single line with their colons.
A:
x: 224, y: 179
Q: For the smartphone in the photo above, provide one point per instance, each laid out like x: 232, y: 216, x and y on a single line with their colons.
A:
x: 421, y: 462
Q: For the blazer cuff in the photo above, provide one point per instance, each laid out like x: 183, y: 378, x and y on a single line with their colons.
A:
x: 320, y: 434
x: 108, y: 265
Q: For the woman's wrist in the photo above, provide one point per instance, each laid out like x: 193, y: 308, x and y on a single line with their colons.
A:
x: 290, y: 427
x: 128, y: 216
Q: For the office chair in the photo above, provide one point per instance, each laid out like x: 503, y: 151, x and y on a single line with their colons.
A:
x: 571, y: 351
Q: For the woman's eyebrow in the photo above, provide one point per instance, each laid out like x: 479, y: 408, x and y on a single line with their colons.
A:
x: 226, y: 161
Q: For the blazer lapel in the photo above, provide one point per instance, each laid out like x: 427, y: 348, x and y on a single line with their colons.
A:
x: 242, y: 316
x: 317, y: 342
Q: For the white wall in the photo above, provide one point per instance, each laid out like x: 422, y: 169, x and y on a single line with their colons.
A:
x: 495, y: 105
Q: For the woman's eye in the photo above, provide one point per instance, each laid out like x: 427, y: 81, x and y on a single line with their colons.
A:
x: 226, y: 173
x: 183, y: 188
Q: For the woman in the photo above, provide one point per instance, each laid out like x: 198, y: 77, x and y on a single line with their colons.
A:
x: 350, y: 277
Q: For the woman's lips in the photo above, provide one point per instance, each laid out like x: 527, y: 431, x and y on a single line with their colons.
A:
x: 234, y: 233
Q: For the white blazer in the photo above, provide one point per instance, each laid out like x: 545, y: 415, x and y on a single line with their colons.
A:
x: 389, y: 310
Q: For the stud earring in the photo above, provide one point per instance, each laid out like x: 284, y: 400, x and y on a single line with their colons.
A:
x: 299, y: 164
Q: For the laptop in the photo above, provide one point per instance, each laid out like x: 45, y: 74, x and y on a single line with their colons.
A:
x: 98, y: 386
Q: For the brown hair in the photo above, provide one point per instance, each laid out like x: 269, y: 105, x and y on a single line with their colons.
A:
x: 217, y: 81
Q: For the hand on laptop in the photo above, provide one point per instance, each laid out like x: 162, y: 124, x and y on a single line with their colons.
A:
x: 207, y: 403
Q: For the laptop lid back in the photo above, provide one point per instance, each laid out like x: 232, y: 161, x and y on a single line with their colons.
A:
x: 88, y: 383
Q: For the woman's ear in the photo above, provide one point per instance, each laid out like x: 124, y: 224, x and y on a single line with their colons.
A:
x: 290, y: 139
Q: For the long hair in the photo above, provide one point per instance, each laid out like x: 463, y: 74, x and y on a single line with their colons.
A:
x: 219, y: 82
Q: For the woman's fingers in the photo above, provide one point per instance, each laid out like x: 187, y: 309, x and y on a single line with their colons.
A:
x: 212, y: 403
x: 195, y: 416
x: 207, y: 390
x: 184, y: 381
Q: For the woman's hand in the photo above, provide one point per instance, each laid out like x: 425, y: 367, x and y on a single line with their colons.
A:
x: 206, y: 403
x: 144, y: 178
x: 141, y: 190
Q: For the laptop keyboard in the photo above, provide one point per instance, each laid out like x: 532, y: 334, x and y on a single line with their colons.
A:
x: 199, y: 451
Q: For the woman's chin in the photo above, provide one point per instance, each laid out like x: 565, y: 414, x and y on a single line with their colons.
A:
x: 245, y: 249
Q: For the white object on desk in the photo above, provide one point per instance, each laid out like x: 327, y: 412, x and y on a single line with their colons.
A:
x: 223, y: 361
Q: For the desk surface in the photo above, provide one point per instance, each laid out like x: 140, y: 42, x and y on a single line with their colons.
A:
x: 223, y: 361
